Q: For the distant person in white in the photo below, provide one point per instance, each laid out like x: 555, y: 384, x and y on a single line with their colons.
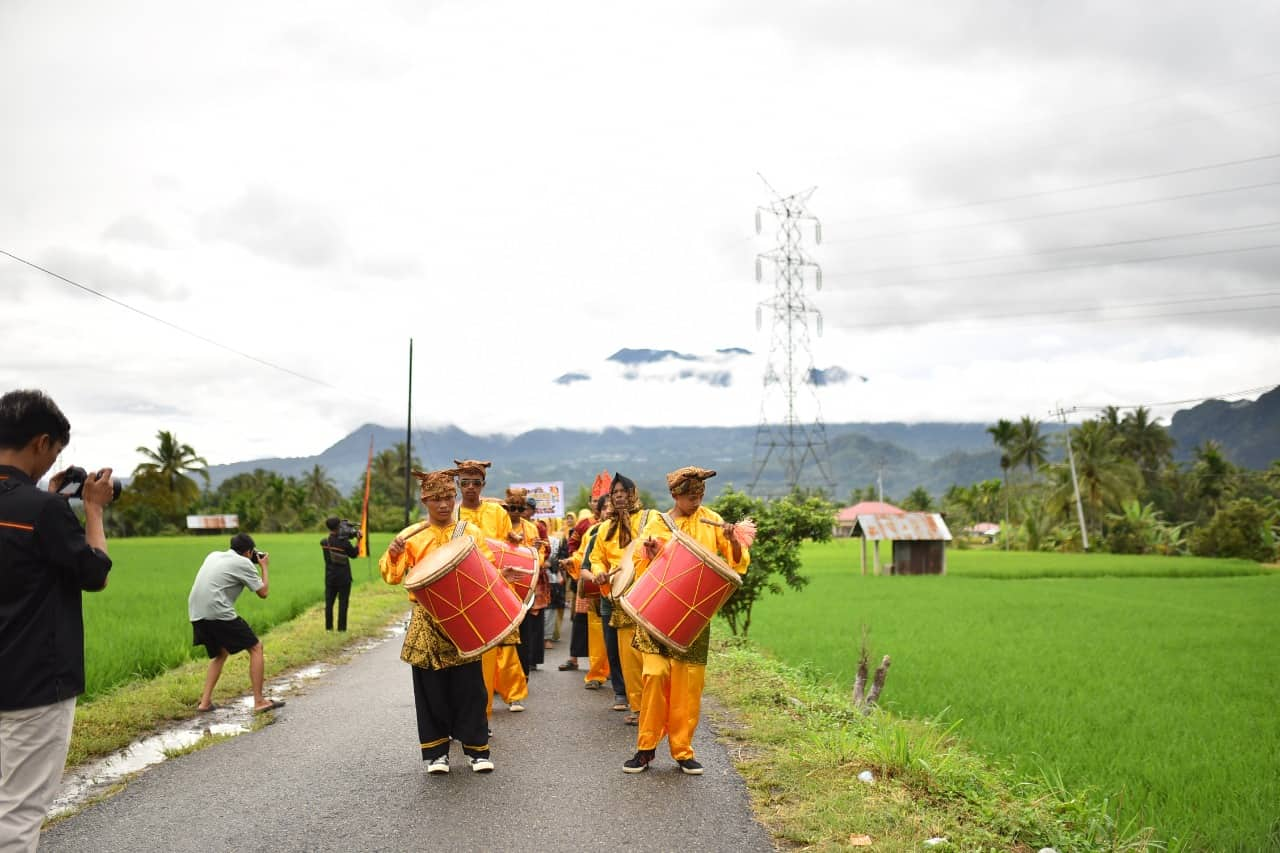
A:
x: 214, y: 621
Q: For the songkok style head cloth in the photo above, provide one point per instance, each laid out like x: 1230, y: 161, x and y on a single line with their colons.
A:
x: 689, y: 480
x: 472, y: 466
x: 437, y: 484
x: 516, y: 498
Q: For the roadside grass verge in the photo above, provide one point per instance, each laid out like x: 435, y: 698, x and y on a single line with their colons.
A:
x: 800, y: 746
x: 114, y: 719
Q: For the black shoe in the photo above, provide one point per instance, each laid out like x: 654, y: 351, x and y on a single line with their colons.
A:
x: 690, y: 766
x: 639, y: 762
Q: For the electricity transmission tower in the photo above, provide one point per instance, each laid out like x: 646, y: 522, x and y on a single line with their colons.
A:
x: 797, y: 446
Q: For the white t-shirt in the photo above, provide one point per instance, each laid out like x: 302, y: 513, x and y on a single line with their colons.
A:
x: 221, y: 579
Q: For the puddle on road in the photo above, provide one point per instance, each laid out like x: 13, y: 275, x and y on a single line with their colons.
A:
x: 90, y: 780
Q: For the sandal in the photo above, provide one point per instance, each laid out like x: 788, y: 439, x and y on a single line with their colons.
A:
x: 569, y: 664
x: 631, y: 719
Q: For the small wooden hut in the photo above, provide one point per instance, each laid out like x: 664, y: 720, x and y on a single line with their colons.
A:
x: 919, y: 541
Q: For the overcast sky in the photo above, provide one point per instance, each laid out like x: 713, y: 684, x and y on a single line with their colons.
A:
x: 524, y: 189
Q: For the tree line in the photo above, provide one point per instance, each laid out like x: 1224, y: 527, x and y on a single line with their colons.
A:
x: 1134, y: 498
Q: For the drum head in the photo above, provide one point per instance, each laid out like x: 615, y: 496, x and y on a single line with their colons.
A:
x: 626, y: 574
x: 438, y: 562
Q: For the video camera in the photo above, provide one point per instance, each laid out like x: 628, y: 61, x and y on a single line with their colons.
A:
x: 73, y: 480
x: 347, y: 530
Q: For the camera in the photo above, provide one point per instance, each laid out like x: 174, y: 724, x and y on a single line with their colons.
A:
x: 73, y: 480
x: 255, y: 556
x: 347, y: 530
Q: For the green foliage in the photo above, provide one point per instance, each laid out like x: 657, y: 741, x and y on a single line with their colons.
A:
x: 918, y: 501
x: 1242, y: 528
x: 781, y: 525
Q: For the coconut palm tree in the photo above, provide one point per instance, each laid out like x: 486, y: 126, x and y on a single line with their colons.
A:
x: 1106, y: 477
x: 1211, y: 476
x: 1146, y: 442
x: 321, y: 491
x: 1003, y: 435
x: 170, y: 464
x: 1029, y: 447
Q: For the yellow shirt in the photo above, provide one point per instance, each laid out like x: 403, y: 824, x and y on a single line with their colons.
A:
x: 490, y: 516
x: 607, y: 555
x: 711, y: 537
x: 425, y: 645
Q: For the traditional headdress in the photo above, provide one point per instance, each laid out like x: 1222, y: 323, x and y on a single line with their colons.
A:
x: 689, y: 480
x: 437, y: 484
x: 600, y: 486
x: 471, y: 466
x: 626, y: 483
x: 516, y: 498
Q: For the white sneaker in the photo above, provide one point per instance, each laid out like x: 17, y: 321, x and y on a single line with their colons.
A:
x: 481, y: 765
x: 439, y: 765
x: 515, y: 706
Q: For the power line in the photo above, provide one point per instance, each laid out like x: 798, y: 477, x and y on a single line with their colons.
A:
x: 1260, y: 226
x: 1260, y: 389
x: 1077, y: 188
x: 165, y: 322
x: 1087, y: 265
x: 1089, y: 309
x: 1050, y: 215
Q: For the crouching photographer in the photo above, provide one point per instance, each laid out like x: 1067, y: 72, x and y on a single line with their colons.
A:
x: 338, y: 549
x: 46, y: 561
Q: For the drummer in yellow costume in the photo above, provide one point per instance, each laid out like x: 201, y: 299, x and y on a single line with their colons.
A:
x: 613, y: 540
x: 492, y: 518
x: 671, y: 700
x: 448, y: 689
x: 581, y: 567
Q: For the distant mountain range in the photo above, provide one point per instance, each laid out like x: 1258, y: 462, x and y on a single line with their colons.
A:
x: 933, y: 455
x: 1249, y: 431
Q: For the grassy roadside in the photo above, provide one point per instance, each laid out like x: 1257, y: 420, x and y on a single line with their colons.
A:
x: 116, y: 719
x: 801, y: 746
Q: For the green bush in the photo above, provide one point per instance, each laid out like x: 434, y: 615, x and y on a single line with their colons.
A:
x: 1241, y: 528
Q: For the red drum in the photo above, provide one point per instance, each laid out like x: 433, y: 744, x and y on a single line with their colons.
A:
x: 588, y: 590
x: 683, y: 588
x: 520, y: 558
x: 465, y: 595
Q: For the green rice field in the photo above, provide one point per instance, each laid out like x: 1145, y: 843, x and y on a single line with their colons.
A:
x: 1154, y: 680
x: 138, y: 626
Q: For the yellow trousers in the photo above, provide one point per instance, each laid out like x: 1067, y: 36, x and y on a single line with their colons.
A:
x: 503, y: 675
x: 599, y: 670
x: 671, y: 702
x: 632, y: 667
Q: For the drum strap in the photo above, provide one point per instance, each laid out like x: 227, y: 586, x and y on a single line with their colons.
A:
x: 670, y: 524
x: 459, y: 529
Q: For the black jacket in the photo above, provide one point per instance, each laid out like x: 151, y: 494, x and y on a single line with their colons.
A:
x: 45, y: 563
x: 337, y: 554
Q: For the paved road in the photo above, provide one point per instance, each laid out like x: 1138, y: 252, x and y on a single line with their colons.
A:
x: 339, y: 770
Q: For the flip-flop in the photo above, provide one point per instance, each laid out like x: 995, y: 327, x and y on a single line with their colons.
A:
x: 200, y: 710
x: 631, y: 719
x: 275, y: 703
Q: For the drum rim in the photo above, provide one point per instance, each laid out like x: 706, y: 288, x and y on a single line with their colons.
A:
x: 462, y: 545
x: 710, y: 558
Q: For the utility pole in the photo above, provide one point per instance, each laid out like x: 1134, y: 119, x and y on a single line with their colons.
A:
x: 796, y: 445
x: 408, y: 442
x: 1075, y: 483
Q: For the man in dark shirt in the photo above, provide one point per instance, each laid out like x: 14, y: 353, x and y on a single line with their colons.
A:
x: 338, y: 551
x: 46, y: 560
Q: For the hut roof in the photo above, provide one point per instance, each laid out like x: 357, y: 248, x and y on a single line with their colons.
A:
x: 903, y: 527
x: 851, y: 513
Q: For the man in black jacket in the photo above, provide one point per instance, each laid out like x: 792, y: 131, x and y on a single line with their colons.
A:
x: 46, y: 560
x: 338, y: 551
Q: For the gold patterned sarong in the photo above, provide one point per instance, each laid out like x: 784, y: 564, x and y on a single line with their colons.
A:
x: 426, y: 646
x: 644, y: 642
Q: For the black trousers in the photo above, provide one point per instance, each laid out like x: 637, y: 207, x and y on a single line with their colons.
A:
x: 342, y: 592
x: 611, y: 650
x: 578, y: 638
x: 530, y: 649
x: 450, y: 705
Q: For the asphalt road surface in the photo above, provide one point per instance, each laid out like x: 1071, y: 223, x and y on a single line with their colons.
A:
x: 340, y: 770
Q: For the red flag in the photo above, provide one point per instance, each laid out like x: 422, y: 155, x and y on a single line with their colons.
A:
x: 364, y: 513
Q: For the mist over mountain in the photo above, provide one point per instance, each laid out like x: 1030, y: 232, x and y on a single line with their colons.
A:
x: 934, y: 455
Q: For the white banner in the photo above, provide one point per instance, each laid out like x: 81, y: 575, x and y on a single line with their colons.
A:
x: 549, y: 497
